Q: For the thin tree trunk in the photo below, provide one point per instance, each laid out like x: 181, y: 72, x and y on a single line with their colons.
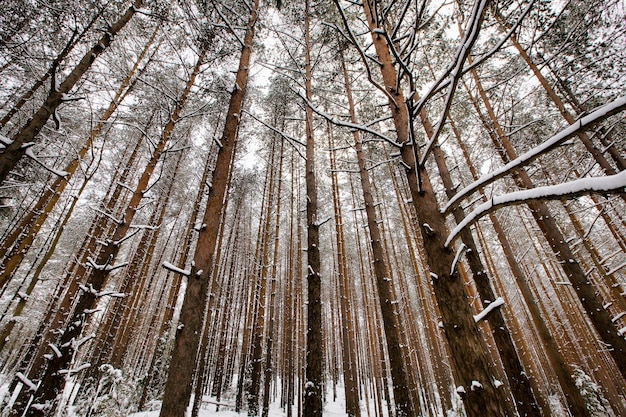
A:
x: 73, y: 41
x: 313, y: 387
x: 182, y: 366
x: 271, y: 326
x: 350, y: 379
x: 391, y: 318
x: 583, y: 136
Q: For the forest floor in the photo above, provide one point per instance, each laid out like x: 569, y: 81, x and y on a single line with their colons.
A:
x: 332, y: 408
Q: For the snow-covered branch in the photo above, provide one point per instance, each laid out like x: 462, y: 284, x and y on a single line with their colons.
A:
x: 583, y: 123
x: 611, y: 183
x: 176, y: 269
x: 487, y: 310
x: 29, y: 153
x: 349, y: 125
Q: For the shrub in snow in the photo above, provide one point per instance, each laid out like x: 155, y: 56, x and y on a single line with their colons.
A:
x: 114, y: 395
x: 591, y: 393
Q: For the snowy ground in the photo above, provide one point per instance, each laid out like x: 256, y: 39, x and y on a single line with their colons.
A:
x: 332, y: 408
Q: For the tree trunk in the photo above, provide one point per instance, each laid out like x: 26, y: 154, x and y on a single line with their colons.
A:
x: 181, y: 370
x: 554, y: 356
x: 313, y: 387
x: 15, y: 150
x: 348, y: 354
x: 585, y: 290
x: 384, y: 284
x: 466, y: 344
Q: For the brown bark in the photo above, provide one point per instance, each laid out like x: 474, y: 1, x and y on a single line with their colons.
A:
x: 384, y: 284
x: 271, y: 326
x: 181, y: 370
x: 261, y: 301
x: 467, y: 347
x: 350, y: 378
x: 584, y: 288
x: 313, y: 386
x: 14, y: 152
x: 521, y: 389
x: 554, y: 356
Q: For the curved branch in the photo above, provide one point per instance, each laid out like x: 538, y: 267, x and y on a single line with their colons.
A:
x: 609, y: 184
x: 598, y: 115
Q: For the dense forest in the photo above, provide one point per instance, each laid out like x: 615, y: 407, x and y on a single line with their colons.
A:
x: 403, y: 207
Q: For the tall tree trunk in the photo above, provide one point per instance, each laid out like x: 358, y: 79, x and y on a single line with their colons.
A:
x: 313, y: 387
x: 271, y: 322
x: 554, y: 356
x: 182, y: 366
x: 584, y: 288
x: 348, y: 356
x: 384, y: 284
x: 261, y: 302
x: 468, y: 349
x: 14, y: 151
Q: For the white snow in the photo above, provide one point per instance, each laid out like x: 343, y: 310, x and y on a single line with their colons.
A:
x: 458, y: 255
x: 176, y: 269
x: 476, y: 385
x: 55, y: 349
x: 580, y: 186
x: 31, y: 386
x: 29, y: 152
x: 332, y: 408
x: 492, y: 306
x: 619, y: 316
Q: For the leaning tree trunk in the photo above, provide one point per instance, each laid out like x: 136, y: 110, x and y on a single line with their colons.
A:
x: 69, y: 46
x: 584, y: 288
x: 384, y: 284
x: 181, y: 370
x: 16, y: 245
x: 555, y: 357
x: 469, y: 350
x: 14, y: 151
x: 53, y: 380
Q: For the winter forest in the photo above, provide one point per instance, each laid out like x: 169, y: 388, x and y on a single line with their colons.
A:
x: 354, y: 208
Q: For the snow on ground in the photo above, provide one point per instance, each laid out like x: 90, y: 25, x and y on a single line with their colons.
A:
x: 332, y: 408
